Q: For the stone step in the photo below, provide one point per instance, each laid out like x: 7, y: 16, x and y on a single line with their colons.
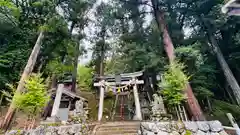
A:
x: 120, y: 123
x: 106, y: 129
x: 117, y: 128
x: 117, y: 133
x: 111, y: 131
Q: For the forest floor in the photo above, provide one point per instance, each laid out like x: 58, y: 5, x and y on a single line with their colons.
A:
x: 19, y: 120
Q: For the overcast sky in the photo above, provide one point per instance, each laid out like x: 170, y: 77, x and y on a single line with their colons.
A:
x: 89, y: 31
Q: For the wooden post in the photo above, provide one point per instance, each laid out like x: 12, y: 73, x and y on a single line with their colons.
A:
x: 69, y: 105
x: 100, y: 107
x: 57, y: 100
x: 234, y: 123
x: 185, y: 114
x: 180, y: 113
x: 114, y: 108
x: 137, y: 103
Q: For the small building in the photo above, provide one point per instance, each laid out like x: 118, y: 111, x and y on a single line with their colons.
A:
x: 232, y: 8
x: 63, y: 101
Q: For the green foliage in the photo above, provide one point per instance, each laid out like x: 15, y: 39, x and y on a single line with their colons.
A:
x: 35, y: 96
x: 58, y: 68
x: 18, y: 34
x: 188, y: 132
x: 191, y: 55
x: 55, y: 24
x: 85, y: 77
x: 202, y: 79
x: 128, y: 42
x: 114, y: 66
x: 8, y: 95
x: 173, y: 84
x: 7, y: 7
x: 220, y: 108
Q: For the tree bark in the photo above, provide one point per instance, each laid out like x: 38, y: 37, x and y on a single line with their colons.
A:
x: 75, y: 62
x: 27, y: 71
x: 226, y: 70
x: 75, y: 66
x: 1, y: 98
x: 229, y: 93
x: 103, y: 50
x: 194, y: 107
x: 102, y: 61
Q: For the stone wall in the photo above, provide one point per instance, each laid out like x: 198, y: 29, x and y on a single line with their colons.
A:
x: 182, y: 128
x: 146, y: 128
x: 77, y: 129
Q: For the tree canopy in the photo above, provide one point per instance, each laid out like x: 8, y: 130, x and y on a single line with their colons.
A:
x: 124, y: 36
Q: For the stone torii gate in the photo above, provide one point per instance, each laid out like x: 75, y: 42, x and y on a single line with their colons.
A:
x: 122, y: 79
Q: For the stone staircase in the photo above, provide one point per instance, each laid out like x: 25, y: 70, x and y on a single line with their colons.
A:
x: 117, y: 128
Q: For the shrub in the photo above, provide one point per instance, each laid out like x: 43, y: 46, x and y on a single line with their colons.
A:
x: 173, y: 84
x: 85, y: 77
x: 35, y: 96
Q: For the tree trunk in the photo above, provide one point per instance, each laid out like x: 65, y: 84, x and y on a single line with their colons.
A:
x: 75, y: 62
x: 102, y: 61
x: 103, y: 49
x: 232, y: 100
x: 1, y: 99
x: 168, y: 45
x: 75, y: 66
x: 193, y: 104
x: 27, y: 71
x: 226, y: 70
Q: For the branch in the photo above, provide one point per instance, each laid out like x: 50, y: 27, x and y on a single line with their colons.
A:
x: 9, y: 18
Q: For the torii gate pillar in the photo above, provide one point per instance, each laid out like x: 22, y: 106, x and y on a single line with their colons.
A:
x: 138, y: 114
x: 100, y: 107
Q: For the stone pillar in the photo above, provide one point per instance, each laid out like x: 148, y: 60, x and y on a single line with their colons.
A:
x: 57, y: 100
x: 101, y: 98
x: 69, y: 105
x: 234, y: 123
x: 138, y: 114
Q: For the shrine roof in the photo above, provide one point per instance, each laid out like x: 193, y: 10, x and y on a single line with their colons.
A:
x: 72, y: 95
x: 232, y: 7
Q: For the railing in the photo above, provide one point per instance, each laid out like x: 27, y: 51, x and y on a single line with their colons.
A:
x: 230, y: 130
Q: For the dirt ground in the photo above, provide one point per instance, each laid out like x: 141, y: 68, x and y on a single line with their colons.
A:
x: 20, y: 119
